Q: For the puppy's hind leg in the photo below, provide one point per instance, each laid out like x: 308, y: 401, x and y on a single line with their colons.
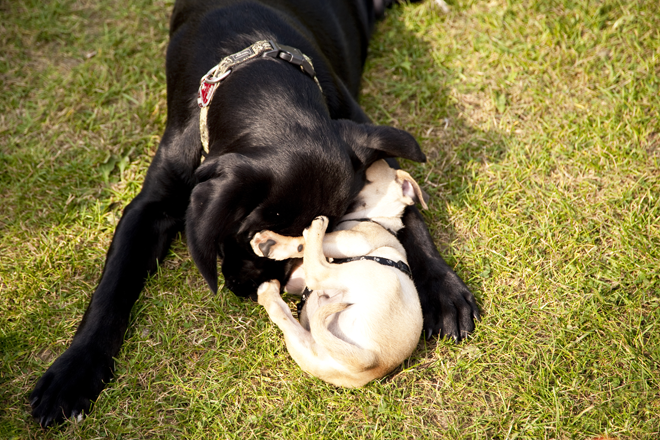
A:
x: 299, y: 342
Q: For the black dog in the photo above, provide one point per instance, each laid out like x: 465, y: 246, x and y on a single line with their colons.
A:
x: 287, y: 142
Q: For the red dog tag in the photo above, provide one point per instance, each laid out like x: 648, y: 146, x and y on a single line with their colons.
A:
x: 205, y: 93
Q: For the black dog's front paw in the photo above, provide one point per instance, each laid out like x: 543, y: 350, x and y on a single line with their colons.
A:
x: 69, y: 386
x: 448, y: 306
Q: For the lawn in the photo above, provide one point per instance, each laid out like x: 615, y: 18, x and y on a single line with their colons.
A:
x: 541, y: 123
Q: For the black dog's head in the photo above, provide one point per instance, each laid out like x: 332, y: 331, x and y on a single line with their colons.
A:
x: 281, y: 188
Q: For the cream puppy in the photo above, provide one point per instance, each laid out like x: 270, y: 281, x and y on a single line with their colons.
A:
x: 363, y: 316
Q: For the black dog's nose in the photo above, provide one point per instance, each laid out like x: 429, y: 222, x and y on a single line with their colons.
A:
x: 265, y: 247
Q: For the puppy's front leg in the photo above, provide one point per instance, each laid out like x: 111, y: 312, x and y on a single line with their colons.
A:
x: 360, y: 240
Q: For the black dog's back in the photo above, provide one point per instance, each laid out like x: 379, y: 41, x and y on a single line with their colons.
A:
x: 335, y: 31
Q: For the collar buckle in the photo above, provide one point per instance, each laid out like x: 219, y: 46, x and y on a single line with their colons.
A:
x: 291, y: 55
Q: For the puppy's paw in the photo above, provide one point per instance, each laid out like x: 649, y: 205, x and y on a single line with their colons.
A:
x: 262, y: 242
x: 319, y: 225
x: 277, y: 247
x: 268, y: 291
x: 317, y: 228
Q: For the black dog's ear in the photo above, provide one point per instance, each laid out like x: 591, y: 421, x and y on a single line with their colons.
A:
x: 217, y: 205
x: 207, y: 223
x: 373, y: 142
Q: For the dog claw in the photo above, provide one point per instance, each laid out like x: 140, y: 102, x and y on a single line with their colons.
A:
x: 77, y: 416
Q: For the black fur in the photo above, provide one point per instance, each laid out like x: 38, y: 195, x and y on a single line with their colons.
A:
x: 281, y: 153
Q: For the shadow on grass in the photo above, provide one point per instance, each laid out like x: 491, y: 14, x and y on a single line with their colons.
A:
x: 408, y: 84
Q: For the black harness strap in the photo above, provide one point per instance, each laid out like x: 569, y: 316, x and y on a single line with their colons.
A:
x: 304, y: 297
x: 403, y: 267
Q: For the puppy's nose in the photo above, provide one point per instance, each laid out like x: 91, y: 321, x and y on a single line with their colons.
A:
x: 265, y: 247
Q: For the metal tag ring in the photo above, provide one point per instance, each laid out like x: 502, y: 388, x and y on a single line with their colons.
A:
x: 209, y: 78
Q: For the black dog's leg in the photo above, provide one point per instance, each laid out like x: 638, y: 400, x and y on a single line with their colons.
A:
x: 448, y: 305
x: 142, y: 238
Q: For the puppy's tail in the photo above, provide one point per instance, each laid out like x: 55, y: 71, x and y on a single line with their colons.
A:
x: 359, y: 359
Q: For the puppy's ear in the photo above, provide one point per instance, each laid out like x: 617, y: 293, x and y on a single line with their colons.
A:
x: 373, y: 142
x: 411, y: 189
x: 217, y: 205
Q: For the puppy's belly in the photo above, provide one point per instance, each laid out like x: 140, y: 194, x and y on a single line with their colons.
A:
x: 296, y: 283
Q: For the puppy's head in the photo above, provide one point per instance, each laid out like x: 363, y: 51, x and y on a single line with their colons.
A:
x: 387, y: 192
x: 281, y: 188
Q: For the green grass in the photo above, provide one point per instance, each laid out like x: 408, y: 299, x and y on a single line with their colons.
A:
x: 541, y: 123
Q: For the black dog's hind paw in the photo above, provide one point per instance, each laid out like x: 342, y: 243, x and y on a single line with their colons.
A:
x: 69, y: 386
x: 450, y: 308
